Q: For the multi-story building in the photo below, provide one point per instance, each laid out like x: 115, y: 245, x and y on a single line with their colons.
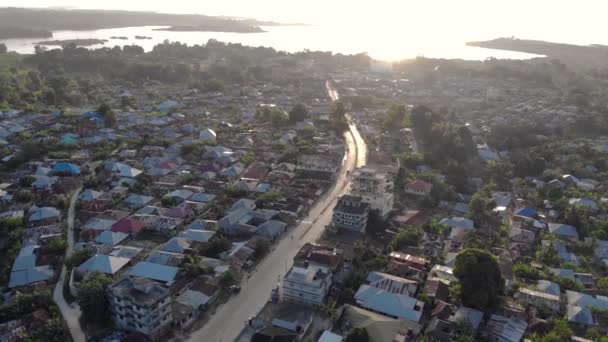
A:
x: 307, y: 285
x: 141, y: 305
x: 351, y: 213
x: 375, y: 187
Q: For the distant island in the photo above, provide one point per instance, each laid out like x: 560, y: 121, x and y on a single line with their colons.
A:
x: 142, y: 37
x: 573, y: 55
x: 77, y: 42
x: 119, y: 37
x: 8, y: 32
x: 237, y: 28
x: 39, y: 23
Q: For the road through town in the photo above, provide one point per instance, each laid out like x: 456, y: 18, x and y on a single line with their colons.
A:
x: 229, y: 319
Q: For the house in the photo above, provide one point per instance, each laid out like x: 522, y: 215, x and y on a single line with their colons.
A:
x: 194, y: 300
x: 584, y: 202
x: 307, y: 285
x: 471, y: 316
x: 104, y: 264
x: 329, y: 336
x: 503, y: 329
x: 128, y: 226
x: 539, y: 299
x: 271, y: 229
x: 166, y: 258
x: 458, y: 222
x: 437, y: 288
x: 581, y: 316
x: 548, y: 287
x: 391, y: 283
x: 418, y: 187
x: 111, y: 238
x: 375, y: 187
x: 443, y: 272
x: 563, y: 231
x: 89, y: 195
x: 257, y: 171
x: 25, y: 272
x: 410, y: 260
x: 379, y: 327
x: 390, y: 304
x: 585, y: 300
x: 197, y: 235
x: 208, y: 135
x: 439, y: 330
x: 138, y: 201
x: 44, y: 215
x: 160, y: 273
x: 177, y: 245
x: 140, y: 305
x: 44, y: 182
x: 351, y: 214
x: 66, y: 168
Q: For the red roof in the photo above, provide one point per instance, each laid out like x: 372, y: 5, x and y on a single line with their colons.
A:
x: 419, y: 186
x: 128, y: 226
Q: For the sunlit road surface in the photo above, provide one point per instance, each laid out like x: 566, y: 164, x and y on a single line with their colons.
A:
x: 229, y: 319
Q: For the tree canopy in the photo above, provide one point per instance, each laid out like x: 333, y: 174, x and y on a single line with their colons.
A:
x: 480, y: 278
x: 92, y: 297
x: 358, y: 335
x: 298, y: 113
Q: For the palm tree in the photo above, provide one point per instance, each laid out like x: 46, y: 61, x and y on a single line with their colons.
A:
x: 191, y: 265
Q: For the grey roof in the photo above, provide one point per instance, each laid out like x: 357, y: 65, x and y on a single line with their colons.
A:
x: 30, y: 276
x: 586, y: 300
x: 38, y: 214
x: 506, y: 329
x: 154, y: 271
x: 394, y: 305
x: 176, y: 245
x: 472, y: 316
x: 103, y: 263
x: 89, y: 195
x: 197, y: 235
x: 136, y: 199
x: 111, y: 238
x: 563, y: 230
x: 243, y: 203
x: 271, y: 228
x: 458, y: 222
x: 166, y: 258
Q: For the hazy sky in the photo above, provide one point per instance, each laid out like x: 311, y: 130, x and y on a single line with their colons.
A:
x: 564, y: 20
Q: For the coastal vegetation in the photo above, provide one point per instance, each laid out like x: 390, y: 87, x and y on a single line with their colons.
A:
x: 77, y: 42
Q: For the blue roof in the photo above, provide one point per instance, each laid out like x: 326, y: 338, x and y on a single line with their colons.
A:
x: 527, y: 212
x: 73, y: 169
x: 154, y: 271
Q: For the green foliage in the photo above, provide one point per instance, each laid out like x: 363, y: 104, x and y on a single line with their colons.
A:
x: 268, y: 197
x: 602, y: 284
x: 25, y: 304
x: 561, y: 331
x: 235, y: 192
x: 58, y: 246
x: 92, y: 297
x: 358, y: 335
x: 481, y: 207
x: 526, y: 271
x: 273, y: 115
x: 217, y: 246
x: 78, y: 257
x: 229, y: 278
x: 395, y: 118
x: 26, y: 181
x: 262, y: 247
x: 337, y: 119
x: 479, y: 276
x: 192, y: 265
x: 54, y: 330
x: 407, y: 238
x: 298, y: 113
x: 570, y: 284
x: 248, y: 158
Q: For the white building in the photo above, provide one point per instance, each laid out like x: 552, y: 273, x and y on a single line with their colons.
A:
x: 208, y: 135
x: 539, y: 299
x: 351, y: 214
x: 141, y: 305
x: 307, y: 285
x: 375, y: 187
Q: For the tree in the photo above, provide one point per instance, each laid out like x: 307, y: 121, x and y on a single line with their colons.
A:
x: 481, y: 206
x: 54, y: 330
x: 338, y: 116
x: 479, y: 277
x: 602, y: 284
x: 262, y: 247
x: 108, y: 114
x: 78, y: 257
x: 229, y: 278
x: 3, y: 48
x: 561, y: 331
x: 358, y: 335
x: 407, y: 237
x: 298, y: 113
x: 92, y: 297
x: 192, y: 265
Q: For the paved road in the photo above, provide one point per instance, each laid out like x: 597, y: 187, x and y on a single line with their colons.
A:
x: 229, y: 319
x: 70, y: 314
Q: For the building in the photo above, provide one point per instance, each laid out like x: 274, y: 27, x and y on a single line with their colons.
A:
x: 419, y: 187
x: 539, y: 299
x: 503, y: 329
x: 351, y: 214
x: 307, y: 285
x: 389, y: 304
x: 375, y: 187
x: 141, y: 305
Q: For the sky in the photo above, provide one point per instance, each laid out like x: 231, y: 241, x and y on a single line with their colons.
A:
x: 569, y: 21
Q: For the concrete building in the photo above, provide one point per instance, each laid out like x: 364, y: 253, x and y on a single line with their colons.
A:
x: 351, y: 214
x: 141, y: 305
x: 375, y: 187
x: 307, y: 285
